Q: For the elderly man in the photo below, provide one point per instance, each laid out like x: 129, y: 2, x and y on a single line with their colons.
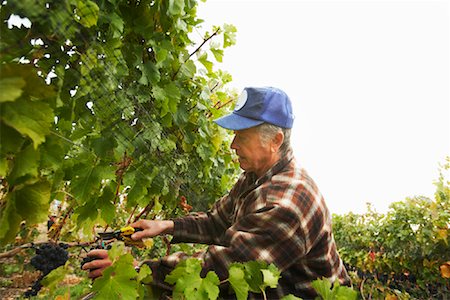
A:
x: 273, y: 213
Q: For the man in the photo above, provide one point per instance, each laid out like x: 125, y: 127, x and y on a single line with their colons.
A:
x: 274, y: 212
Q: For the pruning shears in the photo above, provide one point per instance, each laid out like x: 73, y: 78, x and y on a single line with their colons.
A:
x: 123, y: 234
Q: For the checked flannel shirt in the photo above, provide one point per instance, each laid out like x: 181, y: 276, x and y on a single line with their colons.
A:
x: 280, y: 218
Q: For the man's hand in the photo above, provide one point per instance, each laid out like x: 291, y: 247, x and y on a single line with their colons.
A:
x: 101, y: 261
x: 151, y: 228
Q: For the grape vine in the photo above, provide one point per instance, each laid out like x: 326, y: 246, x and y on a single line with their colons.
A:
x: 48, y: 257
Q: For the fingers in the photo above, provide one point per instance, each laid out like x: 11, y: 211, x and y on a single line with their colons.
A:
x: 100, y: 253
x: 139, y: 235
x: 97, y: 265
x: 145, y: 225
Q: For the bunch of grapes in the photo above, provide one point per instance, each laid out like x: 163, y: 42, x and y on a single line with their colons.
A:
x: 48, y: 257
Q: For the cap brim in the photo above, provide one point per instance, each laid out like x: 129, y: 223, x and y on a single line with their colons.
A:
x: 237, y: 122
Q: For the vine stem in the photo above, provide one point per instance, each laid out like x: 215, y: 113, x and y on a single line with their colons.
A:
x: 147, y: 208
x: 264, y: 294
x: 361, y: 289
x: 196, y: 50
x: 16, y: 250
x: 131, y: 215
x: 201, y: 45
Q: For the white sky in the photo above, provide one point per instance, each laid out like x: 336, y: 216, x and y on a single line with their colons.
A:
x: 370, y: 85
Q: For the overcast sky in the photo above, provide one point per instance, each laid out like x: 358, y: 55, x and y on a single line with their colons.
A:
x: 370, y: 85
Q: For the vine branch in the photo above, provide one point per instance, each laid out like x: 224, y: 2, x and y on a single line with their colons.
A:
x: 196, y: 50
x: 16, y: 250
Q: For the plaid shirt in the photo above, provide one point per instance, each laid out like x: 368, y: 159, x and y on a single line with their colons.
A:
x: 280, y: 218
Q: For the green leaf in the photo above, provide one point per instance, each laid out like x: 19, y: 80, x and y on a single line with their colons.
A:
x: 145, y: 274
x: 25, y: 163
x: 11, y: 139
x: 229, y: 35
x: 188, y: 69
x: 11, y: 88
x: 150, y: 74
x: 238, y: 282
x: 271, y: 276
x: 28, y: 202
x: 176, y: 7
x: 104, y: 145
x: 346, y: 293
x: 187, y: 280
x: 87, y: 178
x: 105, y: 204
x: 31, y: 118
x: 218, y: 54
x: 4, y: 166
x: 173, y: 93
x: 87, y: 13
x: 117, y: 281
x: 9, y: 220
x: 52, y: 279
x: 270, y: 279
x: 253, y: 274
x: 32, y: 201
x: 210, y: 284
x: 52, y: 152
x: 136, y: 193
x: 323, y: 288
x: 204, y: 60
x: 291, y: 297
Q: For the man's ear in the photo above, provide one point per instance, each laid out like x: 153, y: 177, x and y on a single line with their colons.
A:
x: 277, y: 141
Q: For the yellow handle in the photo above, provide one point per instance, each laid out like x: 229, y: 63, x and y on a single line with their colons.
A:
x: 128, y: 230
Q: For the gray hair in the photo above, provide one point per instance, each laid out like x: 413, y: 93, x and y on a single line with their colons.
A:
x: 268, y: 131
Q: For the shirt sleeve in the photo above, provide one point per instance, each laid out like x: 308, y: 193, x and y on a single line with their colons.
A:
x: 270, y: 234
x: 208, y: 228
x: 205, y: 228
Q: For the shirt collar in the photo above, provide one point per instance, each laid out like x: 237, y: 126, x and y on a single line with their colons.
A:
x: 275, y: 169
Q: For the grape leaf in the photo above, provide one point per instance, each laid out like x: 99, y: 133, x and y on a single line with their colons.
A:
x: 52, y: 279
x: 176, y: 7
x: 87, y: 13
x: 322, y: 287
x: 11, y: 140
x: 117, y: 281
x: 218, y: 54
x: 145, y: 274
x: 291, y: 297
x: 26, y: 162
x: 27, y: 202
x: 31, y: 118
x: 238, y: 282
x: 253, y: 274
x: 105, y: 204
x: 210, y: 285
x: 11, y: 88
x: 87, y: 178
x: 9, y: 220
x: 189, y: 284
x: 270, y: 279
x: 32, y: 201
x: 205, y: 62
x: 229, y: 35
x: 4, y: 166
x: 271, y: 276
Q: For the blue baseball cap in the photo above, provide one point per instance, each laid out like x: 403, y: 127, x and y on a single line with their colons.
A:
x: 259, y: 105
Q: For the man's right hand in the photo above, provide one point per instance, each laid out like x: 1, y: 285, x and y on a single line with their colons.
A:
x: 152, y: 228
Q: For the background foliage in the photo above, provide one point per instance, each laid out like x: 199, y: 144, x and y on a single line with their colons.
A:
x: 106, y: 104
x: 406, y: 249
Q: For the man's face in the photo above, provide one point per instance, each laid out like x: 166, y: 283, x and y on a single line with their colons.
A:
x: 253, y: 155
